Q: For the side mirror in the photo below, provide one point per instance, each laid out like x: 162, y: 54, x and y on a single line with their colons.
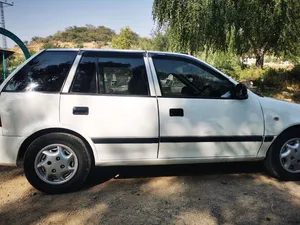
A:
x: 241, y: 91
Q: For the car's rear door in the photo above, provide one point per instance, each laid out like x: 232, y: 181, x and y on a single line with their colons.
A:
x: 112, y: 100
x: 198, y: 116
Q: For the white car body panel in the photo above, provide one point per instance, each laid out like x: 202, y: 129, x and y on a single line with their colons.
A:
x: 18, y: 123
x: 210, y: 118
x: 172, y: 161
x: 208, y: 149
x: 21, y: 112
x: 287, y: 113
x: 126, y: 152
x: 278, y: 116
x: 9, y: 147
x: 115, y: 117
x: 136, y: 119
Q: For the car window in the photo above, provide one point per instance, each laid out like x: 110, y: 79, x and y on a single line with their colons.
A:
x: 123, y: 76
x: 86, y: 77
x: 180, y: 78
x: 46, y: 72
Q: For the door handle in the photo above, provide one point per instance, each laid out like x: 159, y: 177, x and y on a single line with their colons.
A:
x: 79, y: 110
x: 176, y: 112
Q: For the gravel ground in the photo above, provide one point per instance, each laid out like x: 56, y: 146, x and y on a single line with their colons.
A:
x: 238, y: 193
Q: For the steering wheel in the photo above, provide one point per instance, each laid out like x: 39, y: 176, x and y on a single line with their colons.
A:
x: 206, y: 90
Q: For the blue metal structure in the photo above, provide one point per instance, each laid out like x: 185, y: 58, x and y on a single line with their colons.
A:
x: 18, y: 41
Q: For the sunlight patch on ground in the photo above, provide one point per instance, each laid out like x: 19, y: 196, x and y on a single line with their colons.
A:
x: 160, y: 185
x: 82, y: 215
x: 196, y: 217
x: 292, y: 187
x: 14, y: 189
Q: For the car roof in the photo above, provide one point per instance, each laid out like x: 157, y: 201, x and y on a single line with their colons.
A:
x: 117, y: 50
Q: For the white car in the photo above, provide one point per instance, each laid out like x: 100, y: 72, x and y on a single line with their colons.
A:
x: 60, y: 117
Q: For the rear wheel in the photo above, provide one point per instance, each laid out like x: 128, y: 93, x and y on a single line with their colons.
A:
x: 283, y: 158
x: 57, y: 163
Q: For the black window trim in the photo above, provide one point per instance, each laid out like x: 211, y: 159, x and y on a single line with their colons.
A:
x: 108, y: 54
x: 43, y: 92
x: 196, y: 63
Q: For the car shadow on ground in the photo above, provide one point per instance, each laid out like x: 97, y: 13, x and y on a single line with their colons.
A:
x: 102, y: 174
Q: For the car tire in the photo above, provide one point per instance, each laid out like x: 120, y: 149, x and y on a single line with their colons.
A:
x: 57, y: 163
x: 277, y: 161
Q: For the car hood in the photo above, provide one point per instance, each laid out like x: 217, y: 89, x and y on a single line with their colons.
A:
x: 279, y: 115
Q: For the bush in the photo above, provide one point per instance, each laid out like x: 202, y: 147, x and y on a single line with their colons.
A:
x: 47, y: 45
x: 274, y: 77
x: 250, y: 75
x: 225, y: 62
x: 269, y: 59
x: 294, y: 74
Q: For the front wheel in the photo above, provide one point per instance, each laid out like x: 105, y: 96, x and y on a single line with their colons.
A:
x: 57, y: 163
x: 283, y: 158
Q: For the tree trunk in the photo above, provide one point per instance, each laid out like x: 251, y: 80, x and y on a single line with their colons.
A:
x: 206, y: 54
x: 260, y: 56
x: 260, y: 60
x: 191, y: 49
x: 191, y: 52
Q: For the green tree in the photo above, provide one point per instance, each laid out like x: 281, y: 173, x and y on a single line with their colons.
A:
x: 145, y: 44
x: 126, y: 39
x: 160, y: 41
x: 36, y: 39
x: 79, y: 35
x: 49, y: 44
x: 192, y: 25
x: 32, y: 52
x: 269, y: 26
x: 252, y: 26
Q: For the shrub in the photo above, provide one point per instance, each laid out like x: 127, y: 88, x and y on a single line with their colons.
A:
x: 250, y: 75
x: 294, y: 74
x: 274, y: 77
x: 225, y: 62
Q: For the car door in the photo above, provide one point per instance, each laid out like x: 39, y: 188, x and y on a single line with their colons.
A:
x: 111, y: 102
x: 198, y: 116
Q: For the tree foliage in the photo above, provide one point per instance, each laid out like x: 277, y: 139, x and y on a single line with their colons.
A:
x: 159, y: 41
x: 126, y: 39
x: 265, y: 26
x: 245, y: 27
x: 104, y: 36
x: 76, y: 34
x: 192, y: 25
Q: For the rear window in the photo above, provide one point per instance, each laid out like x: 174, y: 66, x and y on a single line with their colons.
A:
x: 111, y: 73
x: 46, y: 72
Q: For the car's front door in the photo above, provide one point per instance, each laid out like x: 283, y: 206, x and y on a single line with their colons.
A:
x: 199, y: 118
x: 110, y: 101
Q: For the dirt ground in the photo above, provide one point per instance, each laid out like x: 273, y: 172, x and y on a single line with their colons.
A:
x: 238, y: 193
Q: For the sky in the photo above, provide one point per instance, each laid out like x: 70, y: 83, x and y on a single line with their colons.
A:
x: 29, y: 18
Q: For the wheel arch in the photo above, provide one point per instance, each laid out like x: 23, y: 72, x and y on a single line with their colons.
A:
x: 267, y: 146
x: 295, y: 126
x: 288, y: 129
x: 25, y: 144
